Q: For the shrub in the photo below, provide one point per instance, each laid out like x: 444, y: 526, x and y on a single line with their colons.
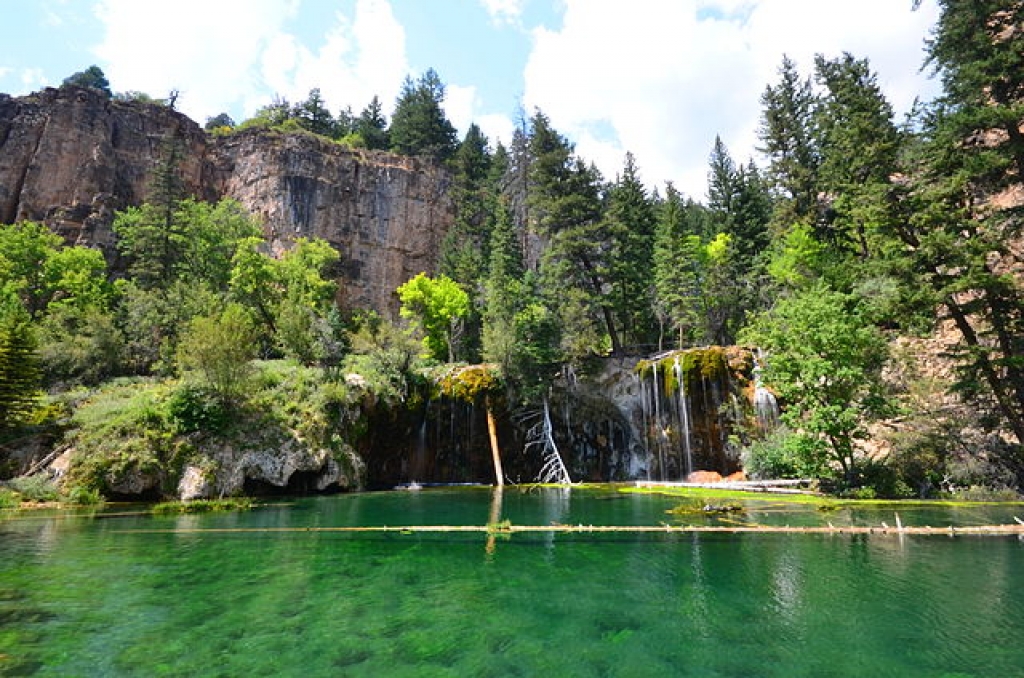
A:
x: 37, y: 488
x: 783, y: 454
x: 196, y: 408
x: 9, y: 498
x: 84, y: 496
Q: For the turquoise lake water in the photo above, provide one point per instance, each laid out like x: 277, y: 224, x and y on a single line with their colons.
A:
x: 118, y: 593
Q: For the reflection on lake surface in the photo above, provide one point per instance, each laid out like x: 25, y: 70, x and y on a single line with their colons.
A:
x: 109, y: 596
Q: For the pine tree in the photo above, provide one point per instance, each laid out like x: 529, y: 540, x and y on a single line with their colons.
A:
x: 19, y: 367
x: 961, y: 224
x: 787, y: 139
x: 676, y: 270
x: 566, y: 212
x: 631, y: 224
x: 419, y: 125
x: 859, y: 146
x: 372, y: 126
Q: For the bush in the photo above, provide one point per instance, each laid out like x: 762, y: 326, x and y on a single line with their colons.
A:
x: 9, y: 498
x: 37, y: 488
x: 783, y: 454
x: 194, y: 408
x: 84, y: 496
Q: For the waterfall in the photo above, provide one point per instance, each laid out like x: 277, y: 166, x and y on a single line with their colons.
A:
x: 697, y: 410
x: 766, y: 407
x: 684, y: 415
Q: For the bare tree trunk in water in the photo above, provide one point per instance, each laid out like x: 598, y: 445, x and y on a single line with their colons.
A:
x: 552, y: 470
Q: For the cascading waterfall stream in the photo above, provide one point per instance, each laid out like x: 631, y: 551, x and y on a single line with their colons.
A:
x: 684, y: 415
x: 699, y: 406
x: 766, y: 406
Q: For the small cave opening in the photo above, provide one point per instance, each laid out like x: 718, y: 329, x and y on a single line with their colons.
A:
x: 299, y: 483
x: 149, y: 495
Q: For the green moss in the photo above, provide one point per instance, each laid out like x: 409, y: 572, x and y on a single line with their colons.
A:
x: 470, y: 382
x: 709, y: 363
x: 203, y: 506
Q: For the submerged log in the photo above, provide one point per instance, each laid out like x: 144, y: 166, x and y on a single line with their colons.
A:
x: 950, y: 531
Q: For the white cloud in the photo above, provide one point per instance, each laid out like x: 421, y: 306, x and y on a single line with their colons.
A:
x: 33, y: 79
x: 204, y: 49
x: 359, y: 58
x: 661, y: 78
x: 504, y: 11
x: 462, y: 106
x: 239, y: 54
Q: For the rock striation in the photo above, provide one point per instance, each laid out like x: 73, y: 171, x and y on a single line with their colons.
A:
x: 70, y: 157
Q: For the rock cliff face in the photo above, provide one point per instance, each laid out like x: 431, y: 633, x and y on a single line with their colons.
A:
x: 70, y: 157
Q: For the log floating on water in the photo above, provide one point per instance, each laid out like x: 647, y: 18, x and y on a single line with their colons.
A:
x: 950, y: 531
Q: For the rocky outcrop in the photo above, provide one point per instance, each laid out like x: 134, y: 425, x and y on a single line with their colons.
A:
x: 385, y: 214
x: 289, y: 466
x: 70, y: 157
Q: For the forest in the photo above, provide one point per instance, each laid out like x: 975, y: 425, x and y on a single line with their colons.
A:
x: 853, y: 246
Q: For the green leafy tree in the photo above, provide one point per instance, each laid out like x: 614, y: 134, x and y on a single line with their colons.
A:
x: 37, y: 267
x: 290, y: 295
x: 824, y: 361
x: 435, y: 305
x: 220, y: 347
x: 419, y: 125
x: 219, y: 122
x: 198, y: 247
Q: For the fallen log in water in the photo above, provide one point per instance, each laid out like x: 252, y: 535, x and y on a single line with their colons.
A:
x: 505, y: 528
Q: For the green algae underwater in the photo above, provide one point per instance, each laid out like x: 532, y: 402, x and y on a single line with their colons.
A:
x: 270, y: 592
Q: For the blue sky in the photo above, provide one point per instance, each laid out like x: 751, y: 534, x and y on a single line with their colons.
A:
x: 659, y: 78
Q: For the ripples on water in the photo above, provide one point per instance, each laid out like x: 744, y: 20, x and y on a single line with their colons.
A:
x: 89, y: 597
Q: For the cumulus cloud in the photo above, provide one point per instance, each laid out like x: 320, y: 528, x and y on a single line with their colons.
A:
x: 33, y: 79
x: 504, y: 11
x: 360, y: 58
x: 240, y: 53
x: 204, y: 49
x: 661, y: 78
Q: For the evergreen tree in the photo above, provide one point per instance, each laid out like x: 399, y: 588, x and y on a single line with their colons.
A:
x: 314, y: 116
x: 464, y: 250
x: 960, y: 225
x: 859, y: 147
x: 419, y: 125
x: 19, y: 366
x: 787, y: 138
x: 566, y: 212
x: 372, y: 126
x: 631, y: 224
x: 503, y: 292
x: 91, y: 77
x: 676, y: 270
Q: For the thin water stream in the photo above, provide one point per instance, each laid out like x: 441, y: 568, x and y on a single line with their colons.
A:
x: 107, y: 596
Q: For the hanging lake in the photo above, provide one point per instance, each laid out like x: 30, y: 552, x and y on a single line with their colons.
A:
x: 270, y: 592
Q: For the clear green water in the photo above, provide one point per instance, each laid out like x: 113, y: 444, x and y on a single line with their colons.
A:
x: 88, y: 596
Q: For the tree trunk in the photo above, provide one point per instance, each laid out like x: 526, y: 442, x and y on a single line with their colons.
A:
x: 492, y: 430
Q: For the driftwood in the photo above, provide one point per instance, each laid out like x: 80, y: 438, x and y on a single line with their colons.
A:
x: 505, y: 528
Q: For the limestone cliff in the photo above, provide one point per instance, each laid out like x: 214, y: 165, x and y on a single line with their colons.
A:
x: 70, y: 157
